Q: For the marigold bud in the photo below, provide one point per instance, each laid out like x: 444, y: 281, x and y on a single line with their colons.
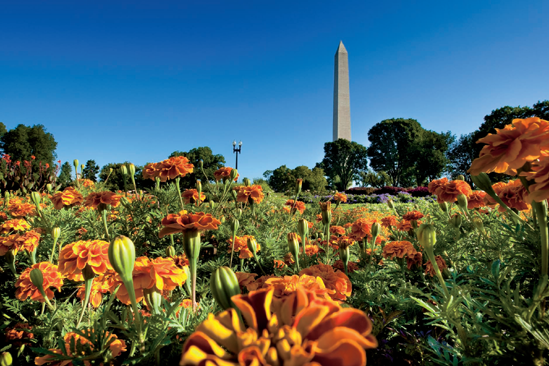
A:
x: 199, y: 188
x: 122, y: 257
x: 456, y: 220
x: 87, y: 273
x: 443, y: 206
x: 224, y: 285
x: 427, y: 236
x: 201, y: 164
x: 390, y: 204
x: 131, y: 169
x: 75, y: 163
x: 37, y: 278
x: 293, y: 245
x: 252, y: 246
x: 303, y: 228
x: 234, y: 225
x: 36, y: 199
x: 6, y: 359
x: 477, y: 222
x: 10, y: 260
x: 234, y: 174
x: 298, y: 186
x: 460, y: 177
x: 326, y: 210
x: 246, y: 182
x: 153, y: 299
x: 82, y: 166
x: 483, y: 182
x: 49, y: 187
x: 124, y: 170
x: 462, y: 201
x: 212, y: 205
x: 56, y: 233
x: 170, y: 251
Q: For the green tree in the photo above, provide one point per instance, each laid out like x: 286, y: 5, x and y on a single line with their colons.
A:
x: 65, y: 178
x: 460, y: 156
x: 90, y: 170
x: 279, y: 179
x: 430, y: 152
x: 392, y: 148
x: 3, y: 130
x: 369, y: 178
x: 283, y: 178
x: 22, y: 142
x: 342, y: 162
x: 211, y: 164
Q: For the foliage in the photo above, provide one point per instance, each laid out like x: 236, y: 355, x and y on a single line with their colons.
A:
x: 342, y: 162
x: 115, y: 180
x: 65, y: 178
x: 407, y: 152
x: 22, y: 142
x: 27, y: 176
x: 211, y: 164
x: 90, y: 171
x: 460, y: 156
x: 370, y: 178
x: 283, y: 178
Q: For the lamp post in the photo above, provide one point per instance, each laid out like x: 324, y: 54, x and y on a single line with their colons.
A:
x: 237, y: 150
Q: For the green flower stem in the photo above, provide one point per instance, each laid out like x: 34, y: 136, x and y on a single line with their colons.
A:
x: 88, y: 285
x: 193, y: 263
x: 43, y: 293
x: 432, y: 258
x: 179, y: 193
x: 541, y: 213
x: 131, y: 292
x: 104, y: 217
x: 53, y: 249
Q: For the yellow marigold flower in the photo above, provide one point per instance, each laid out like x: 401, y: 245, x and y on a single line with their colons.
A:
x: 26, y: 289
x: 75, y: 256
x: 69, y: 197
x: 14, y: 225
x: 306, y: 331
x: 333, y: 280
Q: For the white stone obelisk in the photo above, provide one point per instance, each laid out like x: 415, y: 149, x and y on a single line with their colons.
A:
x: 342, y: 104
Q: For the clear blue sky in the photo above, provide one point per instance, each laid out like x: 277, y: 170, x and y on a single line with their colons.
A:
x: 137, y: 80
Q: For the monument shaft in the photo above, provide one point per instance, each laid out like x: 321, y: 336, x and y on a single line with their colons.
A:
x: 342, y: 104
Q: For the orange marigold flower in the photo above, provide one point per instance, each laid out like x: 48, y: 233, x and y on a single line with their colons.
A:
x: 361, y: 229
x: 181, y: 260
x: 224, y: 173
x: 166, y: 274
x: 26, y: 289
x: 87, y: 183
x: 20, y: 334
x: 253, y: 193
x: 436, y: 184
x: 333, y: 280
x: 245, y: 279
x: 340, y: 197
x: 339, y: 230
x: 404, y: 225
x: 22, y: 209
x: 241, y: 246
x: 306, y: 330
x: 415, y: 259
x: 190, y: 196
x: 511, y: 147
x: 310, y: 250
x: 259, y: 283
x: 14, y: 225
x: 27, y: 241
x: 289, y: 259
x: 101, y: 199
x: 171, y: 168
x: 514, y: 195
x: 318, y: 218
x: 351, y: 267
x: 69, y: 197
x: 278, y: 264
x: 389, y: 221
x: 183, y: 221
x: 99, y: 288
x: 81, y: 347
x: 476, y: 200
x: 413, y: 215
x: 296, y: 206
x: 539, y: 191
x: 497, y: 187
x: 7, y: 243
x: 398, y: 249
x: 441, y: 265
x: 344, y: 242
x: 449, y: 191
x: 75, y: 256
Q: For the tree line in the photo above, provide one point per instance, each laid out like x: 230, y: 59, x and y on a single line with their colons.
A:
x: 401, y: 153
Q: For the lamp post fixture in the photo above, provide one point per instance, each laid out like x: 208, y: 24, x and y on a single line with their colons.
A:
x: 237, y: 150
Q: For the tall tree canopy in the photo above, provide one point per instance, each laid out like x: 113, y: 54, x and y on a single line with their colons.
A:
x: 284, y: 178
x: 90, y: 171
x: 408, y: 153
x: 22, y: 142
x: 211, y: 164
x: 342, y: 162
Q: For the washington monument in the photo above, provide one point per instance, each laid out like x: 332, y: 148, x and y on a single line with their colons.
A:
x: 342, y: 105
